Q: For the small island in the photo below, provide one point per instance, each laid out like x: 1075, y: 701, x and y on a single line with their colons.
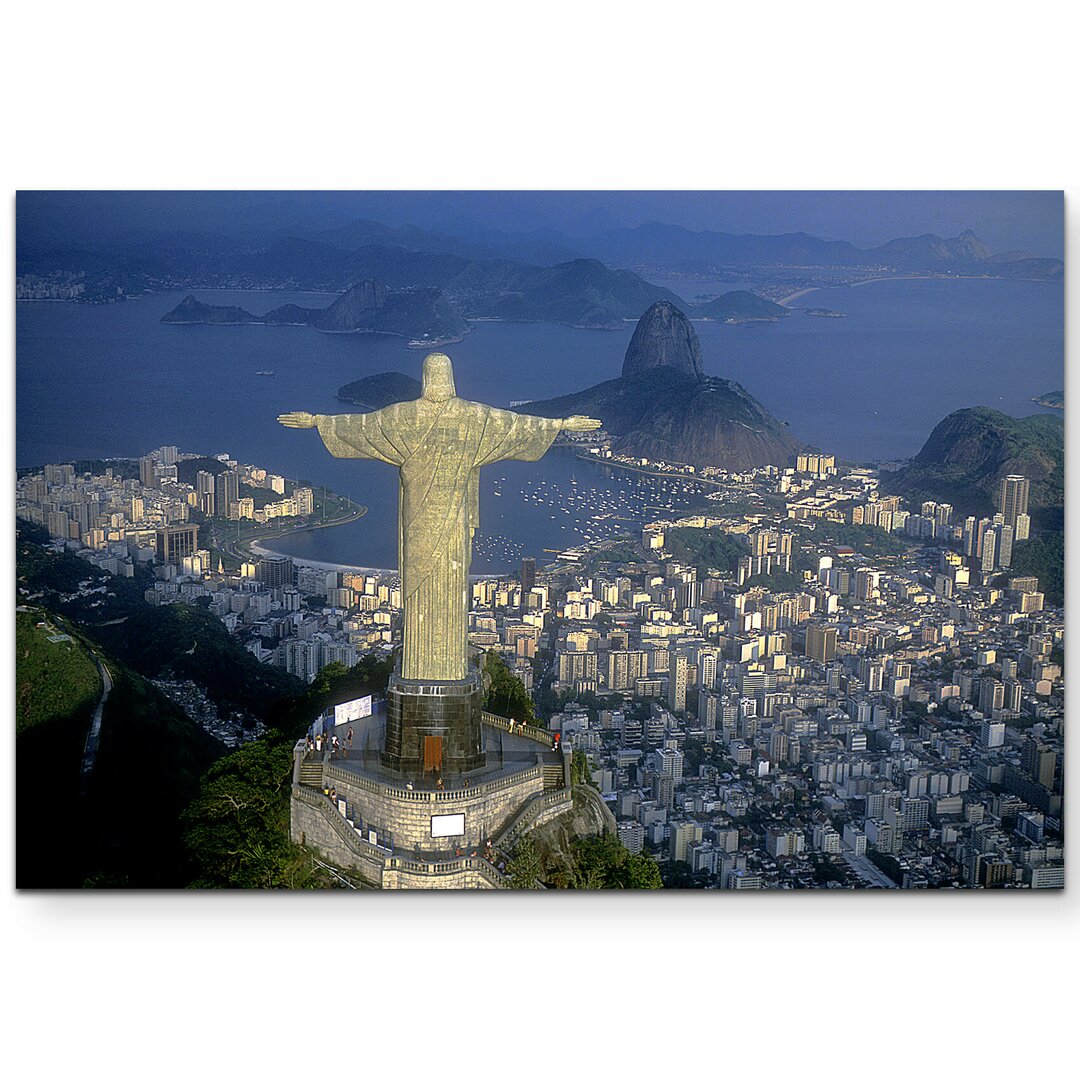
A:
x: 377, y: 391
x: 740, y: 306
x: 1052, y: 399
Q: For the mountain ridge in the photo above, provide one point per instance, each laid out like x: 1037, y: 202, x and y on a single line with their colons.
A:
x: 367, y: 307
x: 658, y: 244
x: 970, y: 450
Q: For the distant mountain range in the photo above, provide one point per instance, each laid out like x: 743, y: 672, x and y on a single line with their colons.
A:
x: 589, y: 281
x: 670, y: 246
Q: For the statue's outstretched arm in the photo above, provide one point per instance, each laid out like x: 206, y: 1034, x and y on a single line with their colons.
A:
x: 350, y: 435
x: 521, y: 437
x: 581, y: 423
x: 298, y: 419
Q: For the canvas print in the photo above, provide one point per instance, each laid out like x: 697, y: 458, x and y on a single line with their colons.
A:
x: 539, y: 540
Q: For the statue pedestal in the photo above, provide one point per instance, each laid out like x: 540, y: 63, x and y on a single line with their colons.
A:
x: 433, y: 727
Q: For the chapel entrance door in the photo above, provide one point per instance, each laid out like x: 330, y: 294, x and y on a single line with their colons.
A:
x: 433, y: 748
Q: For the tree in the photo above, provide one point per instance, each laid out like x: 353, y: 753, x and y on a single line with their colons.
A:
x: 602, y: 862
x: 679, y: 875
x: 506, y: 695
x: 524, y: 866
x: 237, y: 828
x: 579, y: 769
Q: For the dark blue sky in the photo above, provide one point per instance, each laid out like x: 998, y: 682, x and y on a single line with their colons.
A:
x: 1004, y: 220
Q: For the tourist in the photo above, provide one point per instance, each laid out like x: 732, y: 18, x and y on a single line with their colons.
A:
x: 348, y: 738
x: 511, y: 725
x: 318, y: 743
x: 439, y: 783
x: 333, y: 795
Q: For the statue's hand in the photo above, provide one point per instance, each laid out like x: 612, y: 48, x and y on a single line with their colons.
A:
x: 581, y: 423
x: 297, y: 419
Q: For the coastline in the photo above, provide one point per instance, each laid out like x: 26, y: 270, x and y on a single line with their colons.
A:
x: 655, y: 474
x: 262, y: 546
x: 802, y: 292
x: 892, y: 277
x: 258, y: 547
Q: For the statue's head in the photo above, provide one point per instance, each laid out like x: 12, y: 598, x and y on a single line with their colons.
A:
x: 438, y: 384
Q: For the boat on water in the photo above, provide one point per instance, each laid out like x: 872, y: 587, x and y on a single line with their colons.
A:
x: 266, y: 373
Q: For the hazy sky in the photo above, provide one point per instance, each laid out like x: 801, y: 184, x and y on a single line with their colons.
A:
x: 1004, y: 220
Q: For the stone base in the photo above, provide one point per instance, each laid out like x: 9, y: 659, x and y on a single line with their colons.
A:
x: 417, y: 711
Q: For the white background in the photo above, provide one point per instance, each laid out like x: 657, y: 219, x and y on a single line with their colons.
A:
x: 672, y: 95
x: 448, y: 825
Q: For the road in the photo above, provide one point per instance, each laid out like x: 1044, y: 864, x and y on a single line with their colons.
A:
x: 93, y: 736
x: 868, y: 871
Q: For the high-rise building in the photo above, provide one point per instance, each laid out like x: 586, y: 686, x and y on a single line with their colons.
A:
x: 683, y: 833
x: 1013, y: 498
x: 632, y: 836
x: 677, y: 683
x: 146, y: 472
x: 275, y: 571
x: 820, y: 642
x: 227, y: 494
x: 783, y: 843
x: 991, y: 700
x: 577, y: 669
x: 1039, y: 762
x: 706, y: 666
x: 204, y: 492
x: 176, y: 542
x: 528, y: 579
x: 626, y: 666
x: 770, y: 553
x: 989, y: 550
x: 867, y: 583
x: 305, y: 501
x: 709, y: 710
x: 1005, y: 539
x: 669, y: 761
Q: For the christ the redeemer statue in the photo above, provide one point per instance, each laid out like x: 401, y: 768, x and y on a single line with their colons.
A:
x: 439, y: 442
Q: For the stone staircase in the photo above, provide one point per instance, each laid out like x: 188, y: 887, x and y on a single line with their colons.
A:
x: 553, y: 775
x: 311, y: 774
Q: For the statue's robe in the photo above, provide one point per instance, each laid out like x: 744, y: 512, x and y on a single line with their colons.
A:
x: 439, y: 447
